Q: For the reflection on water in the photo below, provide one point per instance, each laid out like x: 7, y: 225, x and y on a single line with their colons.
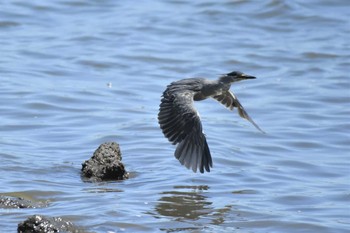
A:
x: 184, y: 202
x: 189, y: 204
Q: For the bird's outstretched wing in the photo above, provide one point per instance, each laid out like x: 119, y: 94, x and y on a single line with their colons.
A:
x: 181, y: 124
x: 230, y: 101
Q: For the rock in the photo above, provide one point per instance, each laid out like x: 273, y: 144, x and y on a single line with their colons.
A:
x: 105, y: 164
x: 17, y: 203
x: 41, y: 224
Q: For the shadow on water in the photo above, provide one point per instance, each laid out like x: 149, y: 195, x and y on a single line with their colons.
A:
x: 184, y: 202
x: 188, y: 208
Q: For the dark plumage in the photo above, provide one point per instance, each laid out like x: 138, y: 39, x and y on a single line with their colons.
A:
x: 180, y: 122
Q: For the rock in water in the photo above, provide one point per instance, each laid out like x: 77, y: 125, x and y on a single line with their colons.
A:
x: 42, y: 224
x: 105, y: 164
x: 8, y: 202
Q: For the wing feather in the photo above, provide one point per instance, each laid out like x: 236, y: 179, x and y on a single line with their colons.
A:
x: 181, y: 124
x: 229, y: 100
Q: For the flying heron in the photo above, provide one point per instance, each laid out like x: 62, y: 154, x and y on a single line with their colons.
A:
x: 180, y: 122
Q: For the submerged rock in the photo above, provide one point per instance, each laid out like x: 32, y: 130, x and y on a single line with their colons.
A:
x: 105, y: 164
x: 42, y: 224
x: 7, y: 202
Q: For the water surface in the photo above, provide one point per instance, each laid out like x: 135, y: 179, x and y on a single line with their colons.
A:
x: 75, y: 74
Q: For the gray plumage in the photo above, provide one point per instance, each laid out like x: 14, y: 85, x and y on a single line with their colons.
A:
x: 180, y: 122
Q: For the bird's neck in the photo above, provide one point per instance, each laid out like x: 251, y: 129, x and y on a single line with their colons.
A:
x: 215, y: 88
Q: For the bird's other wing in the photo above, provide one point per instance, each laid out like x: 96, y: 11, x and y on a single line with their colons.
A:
x: 181, y: 124
x: 231, y: 101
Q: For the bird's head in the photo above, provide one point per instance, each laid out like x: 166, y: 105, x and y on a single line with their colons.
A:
x: 235, y: 76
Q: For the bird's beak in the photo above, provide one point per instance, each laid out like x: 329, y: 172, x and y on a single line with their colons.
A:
x: 245, y: 76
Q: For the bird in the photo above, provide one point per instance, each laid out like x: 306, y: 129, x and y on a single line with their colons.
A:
x: 180, y: 122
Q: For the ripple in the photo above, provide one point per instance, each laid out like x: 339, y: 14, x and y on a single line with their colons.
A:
x: 9, y: 24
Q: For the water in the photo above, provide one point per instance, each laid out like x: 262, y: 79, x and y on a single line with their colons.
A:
x: 75, y: 74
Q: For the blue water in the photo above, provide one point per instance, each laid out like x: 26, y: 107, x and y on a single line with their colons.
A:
x: 75, y: 74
